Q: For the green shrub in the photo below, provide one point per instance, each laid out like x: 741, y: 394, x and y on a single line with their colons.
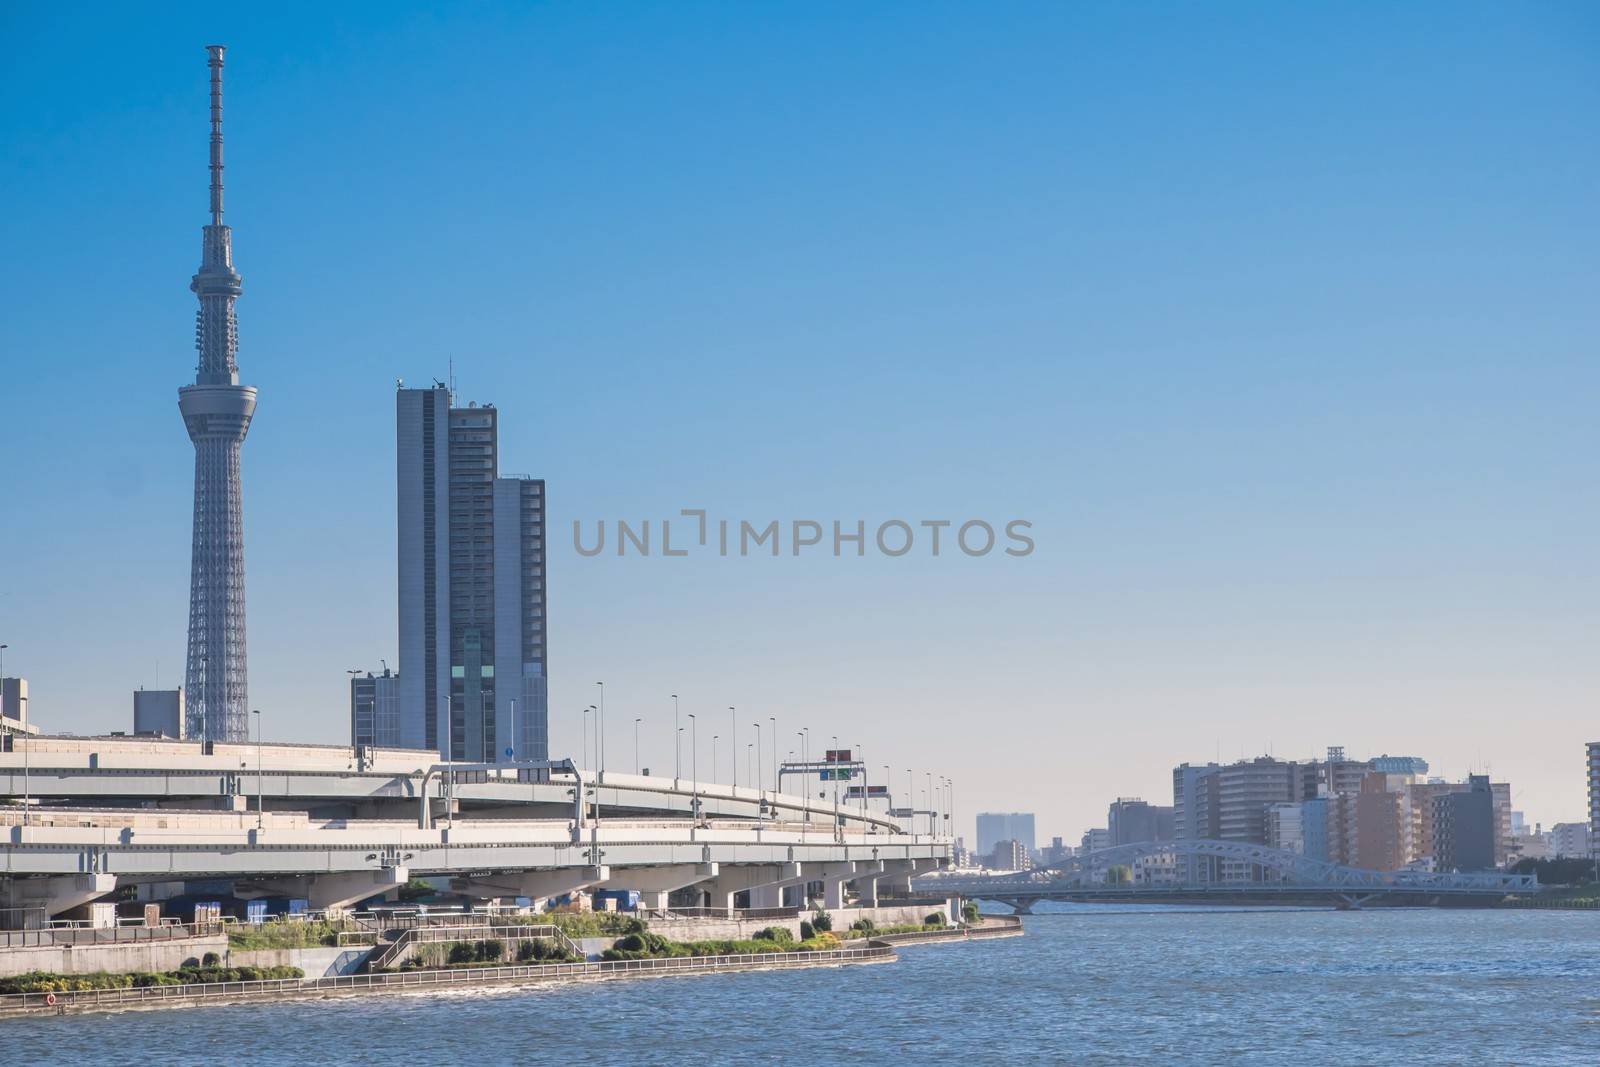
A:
x: 807, y: 931
x: 46, y: 982
x: 615, y: 954
x: 292, y: 934
x: 540, y: 950
x: 864, y: 926
x: 210, y: 959
x: 820, y: 943
x: 577, y: 924
x: 969, y: 912
x: 779, y: 934
x: 822, y: 921
x: 934, y: 918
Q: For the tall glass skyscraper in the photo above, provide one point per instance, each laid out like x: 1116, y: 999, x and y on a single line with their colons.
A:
x: 473, y: 669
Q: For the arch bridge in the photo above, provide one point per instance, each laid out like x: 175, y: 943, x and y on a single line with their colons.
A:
x: 1231, y: 870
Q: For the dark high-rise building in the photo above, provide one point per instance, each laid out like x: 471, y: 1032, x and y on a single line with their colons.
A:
x: 217, y: 411
x: 375, y: 709
x: 1464, y: 828
x: 1130, y: 820
x: 473, y: 668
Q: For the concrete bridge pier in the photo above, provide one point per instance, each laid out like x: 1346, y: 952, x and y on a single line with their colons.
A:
x: 324, y: 891
x: 1018, y: 907
x: 732, y: 880
x: 833, y: 877
x: 655, y: 884
x: 894, y: 876
x: 865, y: 882
x: 537, y: 886
x: 58, y: 893
x: 773, y: 895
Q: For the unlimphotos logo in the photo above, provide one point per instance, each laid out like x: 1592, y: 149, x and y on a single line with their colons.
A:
x: 892, y: 537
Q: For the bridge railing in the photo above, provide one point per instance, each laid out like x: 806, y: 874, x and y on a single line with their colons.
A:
x: 104, y: 935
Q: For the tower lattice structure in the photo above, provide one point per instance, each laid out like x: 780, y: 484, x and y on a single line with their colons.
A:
x: 217, y: 411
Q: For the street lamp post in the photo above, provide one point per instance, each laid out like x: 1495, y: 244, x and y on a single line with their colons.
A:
x: 805, y: 785
x: 733, y: 744
x: 714, y: 738
x: 449, y: 765
x: 586, y: 734
x: 952, y: 808
x: 773, y: 719
x: 694, y: 761
x: 261, y: 792
x: 27, y: 784
x: 833, y: 772
x: 760, y: 789
x: 911, y: 801
x: 677, y: 744
x: 636, y: 723
x: 600, y: 736
x: 353, y: 676
x: 861, y: 758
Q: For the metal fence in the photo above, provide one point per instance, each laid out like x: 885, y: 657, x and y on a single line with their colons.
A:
x: 395, y: 952
x: 103, y: 935
x: 283, y: 988
x: 755, y: 914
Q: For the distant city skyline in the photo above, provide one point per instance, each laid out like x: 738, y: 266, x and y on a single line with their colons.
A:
x: 1279, y: 332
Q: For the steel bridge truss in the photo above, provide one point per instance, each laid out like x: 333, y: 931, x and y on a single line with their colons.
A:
x: 1285, y: 870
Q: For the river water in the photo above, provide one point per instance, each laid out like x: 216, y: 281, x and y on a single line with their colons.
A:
x: 1086, y: 985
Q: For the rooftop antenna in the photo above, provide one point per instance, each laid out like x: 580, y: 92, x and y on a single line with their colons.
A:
x: 216, y: 51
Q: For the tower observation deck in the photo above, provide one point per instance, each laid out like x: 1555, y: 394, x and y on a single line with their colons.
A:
x: 217, y: 411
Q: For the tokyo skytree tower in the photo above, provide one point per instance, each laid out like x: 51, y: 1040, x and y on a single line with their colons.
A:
x: 217, y: 409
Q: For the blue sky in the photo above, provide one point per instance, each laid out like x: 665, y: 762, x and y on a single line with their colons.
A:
x: 1276, y: 321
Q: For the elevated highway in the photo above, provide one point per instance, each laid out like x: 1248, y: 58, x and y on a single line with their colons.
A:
x: 341, y: 825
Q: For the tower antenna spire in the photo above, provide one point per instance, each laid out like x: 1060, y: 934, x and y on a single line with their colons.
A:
x: 216, y: 51
x: 217, y: 411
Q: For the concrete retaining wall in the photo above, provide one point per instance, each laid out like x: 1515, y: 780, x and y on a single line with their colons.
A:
x: 422, y: 981
x: 118, y: 958
x: 697, y: 929
x: 315, y: 962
